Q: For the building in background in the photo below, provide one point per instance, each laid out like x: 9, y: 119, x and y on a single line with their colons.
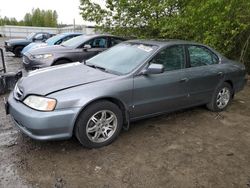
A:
x: 23, y: 31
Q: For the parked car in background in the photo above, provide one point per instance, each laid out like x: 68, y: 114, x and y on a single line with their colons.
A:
x: 133, y: 80
x: 76, y: 49
x: 16, y: 45
x: 55, y: 40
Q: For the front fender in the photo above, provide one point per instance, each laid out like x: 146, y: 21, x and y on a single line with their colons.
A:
x: 118, y: 88
x: 118, y: 91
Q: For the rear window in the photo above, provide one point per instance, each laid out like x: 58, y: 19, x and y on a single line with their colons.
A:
x: 200, y: 56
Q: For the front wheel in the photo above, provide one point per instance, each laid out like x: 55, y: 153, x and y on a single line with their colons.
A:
x: 99, y: 124
x: 221, y: 98
x: 17, y: 51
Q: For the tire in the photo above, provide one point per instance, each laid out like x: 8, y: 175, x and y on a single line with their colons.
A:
x: 93, y: 130
x: 216, y: 103
x: 61, y: 62
x: 17, y: 51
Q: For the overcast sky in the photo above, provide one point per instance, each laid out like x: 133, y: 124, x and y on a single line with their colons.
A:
x: 67, y: 9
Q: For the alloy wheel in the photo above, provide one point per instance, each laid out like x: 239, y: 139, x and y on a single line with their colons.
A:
x: 101, y: 126
x: 223, y: 98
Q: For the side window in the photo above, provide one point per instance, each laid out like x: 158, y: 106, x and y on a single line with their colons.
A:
x: 58, y: 42
x: 101, y: 42
x: 39, y: 36
x: 115, y: 41
x: 67, y: 38
x: 45, y: 36
x: 200, y: 56
x: 173, y: 58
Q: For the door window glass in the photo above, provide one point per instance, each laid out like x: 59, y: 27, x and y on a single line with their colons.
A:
x: 98, y: 43
x: 200, y: 56
x: 115, y: 41
x: 67, y: 38
x: 172, y: 58
x: 39, y: 36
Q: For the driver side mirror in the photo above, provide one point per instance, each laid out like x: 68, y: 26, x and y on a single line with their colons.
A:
x: 153, y: 69
x: 86, y: 47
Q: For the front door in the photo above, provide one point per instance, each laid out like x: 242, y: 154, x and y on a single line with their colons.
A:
x: 98, y: 45
x: 163, y: 92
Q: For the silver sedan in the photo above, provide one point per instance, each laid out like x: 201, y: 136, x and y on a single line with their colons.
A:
x: 133, y: 80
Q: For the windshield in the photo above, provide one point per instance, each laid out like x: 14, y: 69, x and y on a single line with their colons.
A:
x: 123, y: 58
x: 76, y: 41
x: 53, y: 40
x: 30, y: 36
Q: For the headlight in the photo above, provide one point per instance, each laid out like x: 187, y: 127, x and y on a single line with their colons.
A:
x: 8, y: 44
x: 40, y: 103
x: 42, y: 56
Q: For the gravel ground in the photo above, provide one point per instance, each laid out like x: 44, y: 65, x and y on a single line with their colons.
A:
x: 191, y: 148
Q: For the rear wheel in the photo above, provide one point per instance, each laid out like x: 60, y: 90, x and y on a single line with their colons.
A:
x: 221, y: 98
x: 17, y: 51
x: 99, y: 124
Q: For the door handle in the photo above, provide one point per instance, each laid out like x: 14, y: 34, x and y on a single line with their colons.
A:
x: 220, y: 73
x: 184, y: 80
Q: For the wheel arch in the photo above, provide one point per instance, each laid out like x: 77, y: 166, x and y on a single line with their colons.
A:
x: 16, y: 46
x: 60, y: 59
x: 114, y: 100
x: 231, y: 84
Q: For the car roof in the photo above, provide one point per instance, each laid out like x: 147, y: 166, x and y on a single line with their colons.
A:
x: 102, y: 35
x: 70, y: 33
x: 42, y: 32
x: 162, y: 43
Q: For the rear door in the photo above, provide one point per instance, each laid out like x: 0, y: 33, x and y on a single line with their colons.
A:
x: 204, y: 73
x: 162, y: 92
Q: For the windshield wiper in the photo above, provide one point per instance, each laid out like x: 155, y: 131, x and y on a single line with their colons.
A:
x: 97, y: 67
x: 101, y: 68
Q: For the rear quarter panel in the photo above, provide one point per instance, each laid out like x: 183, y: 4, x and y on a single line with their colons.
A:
x: 235, y: 72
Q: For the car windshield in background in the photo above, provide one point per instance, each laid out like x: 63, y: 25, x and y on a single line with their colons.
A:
x: 76, y: 41
x: 54, y: 39
x: 123, y: 58
x: 30, y: 36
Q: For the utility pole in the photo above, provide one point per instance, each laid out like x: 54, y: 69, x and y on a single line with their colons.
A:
x: 0, y: 19
x: 74, y: 23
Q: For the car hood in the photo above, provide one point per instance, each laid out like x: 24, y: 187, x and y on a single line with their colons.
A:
x: 49, y: 49
x: 18, y: 41
x: 33, y: 45
x: 53, y: 79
